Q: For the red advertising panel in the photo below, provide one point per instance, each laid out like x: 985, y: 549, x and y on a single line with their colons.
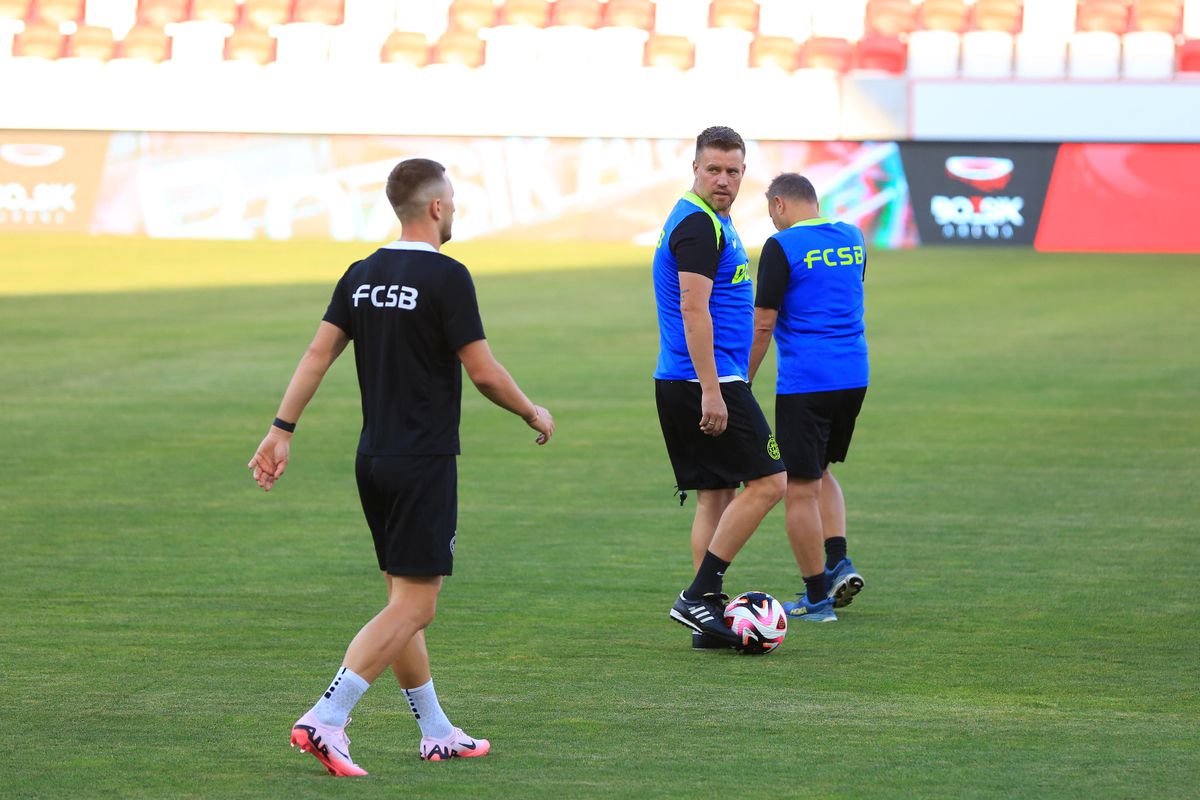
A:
x: 49, y: 179
x: 1123, y: 198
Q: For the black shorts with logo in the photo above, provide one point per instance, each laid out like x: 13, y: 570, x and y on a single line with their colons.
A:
x: 745, y: 451
x: 815, y: 429
x: 411, y: 505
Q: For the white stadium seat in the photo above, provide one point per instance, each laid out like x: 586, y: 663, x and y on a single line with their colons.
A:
x: 1148, y: 56
x: 1094, y: 55
x: 356, y: 46
x: 117, y: 15
x: 566, y: 48
x: 845, y: 19
x: 429, y: 17
x: 790, y: 18
x: 197, y: 42
x: 8, y: 29
x: 1052, y: 18
x: 513, y: 47
x: 723, y: 49
x: 371, y: 15
x: 302, y: 44
x: 987, y: 54
x: 681, y: 17
x: 1191, y: 19
x: 933, y: 54
x: 619, y: 48
x: 1040, y: 57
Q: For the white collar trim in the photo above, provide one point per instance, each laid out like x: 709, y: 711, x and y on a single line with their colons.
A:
x: 399, y: 245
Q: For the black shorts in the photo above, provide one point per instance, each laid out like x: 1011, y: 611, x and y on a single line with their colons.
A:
x: 815, y: 429
x: 411, y: 505
x: 745, y: 451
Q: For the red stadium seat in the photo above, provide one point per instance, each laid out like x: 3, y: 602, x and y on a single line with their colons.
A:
x: 629, y: 14
x: 265, y: 13
x: 252, y: 44
x: 584, y: 13
x: 885, y: 53
x: 670, y: 51
x: 1189, y: 57
x: 324, y: 12
x: 471, y: 15
x: 92, y: 41
x: 459, y: 47
x: 55, y: 12
x: 1111, y: 16
x: 147, y: 43
x: 14, y: 9
x: 38, y: 40
x: 826, y: 52
x: 526, y: 12
x: 740, y: 14
x: 944, y: 15
x: 891, y: 17
x: 1158, y: 15
x: 779, y: 52
x: 405, y: 47
x: 215, y: 11
x: 997, y: 15
x: 160, y: 13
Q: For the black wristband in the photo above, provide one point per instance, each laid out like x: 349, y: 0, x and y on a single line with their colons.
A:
x: 290, y: 427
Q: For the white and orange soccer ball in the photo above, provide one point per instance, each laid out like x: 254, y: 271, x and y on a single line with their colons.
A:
x: 759, y: 621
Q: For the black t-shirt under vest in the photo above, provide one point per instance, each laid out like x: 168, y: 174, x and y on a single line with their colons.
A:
x: 408, y: 309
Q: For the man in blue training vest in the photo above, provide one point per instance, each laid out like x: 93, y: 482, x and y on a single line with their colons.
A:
x: 810, y: 297
x: 716, y: 435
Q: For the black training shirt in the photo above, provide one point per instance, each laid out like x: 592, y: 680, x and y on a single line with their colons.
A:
x: 408, y: 309
x: 696, y: 246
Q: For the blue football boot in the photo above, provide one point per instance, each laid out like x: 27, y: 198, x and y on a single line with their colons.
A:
x: 843, y: 582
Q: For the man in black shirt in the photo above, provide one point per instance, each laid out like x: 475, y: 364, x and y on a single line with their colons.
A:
x: 413, y: 317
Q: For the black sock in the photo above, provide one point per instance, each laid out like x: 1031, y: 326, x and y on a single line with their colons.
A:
x: 708, y: 577
x: 835, y: 551
x: 814, y: 587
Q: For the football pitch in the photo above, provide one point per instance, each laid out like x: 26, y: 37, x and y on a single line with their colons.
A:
x: 1022, y: 496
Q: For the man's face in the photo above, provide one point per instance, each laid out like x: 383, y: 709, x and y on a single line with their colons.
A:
x: 447, y: 220
x: 718, y: 177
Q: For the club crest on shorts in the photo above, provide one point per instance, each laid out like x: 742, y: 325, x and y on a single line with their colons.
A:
x: 453, y: 539
x: 772, y: 447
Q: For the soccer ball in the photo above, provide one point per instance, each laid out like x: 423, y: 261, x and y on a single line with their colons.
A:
x: 759, y: 621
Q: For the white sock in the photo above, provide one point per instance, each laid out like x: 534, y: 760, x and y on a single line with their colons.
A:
x: 428, y: 711
x: 335, y: 705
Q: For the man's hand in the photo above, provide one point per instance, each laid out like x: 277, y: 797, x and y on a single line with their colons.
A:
x: 714, y: 416
x: 543, y: 423
x: 272, y: 457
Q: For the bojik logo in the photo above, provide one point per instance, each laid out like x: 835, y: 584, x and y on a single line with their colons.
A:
x: 978, y: 215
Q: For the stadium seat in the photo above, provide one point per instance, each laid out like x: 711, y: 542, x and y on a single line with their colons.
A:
x: 1103, y: 15
x: 56, y: 12
x: 681, y: 17
x: 583, y: 13
x: 881, y: 54
x: 459, y: 47
x: 620, y: 48
x: 568, y: 49
x: 1189, y: 57
x: 784, y: 18
x: 740, y: 14
x: 723, y: 49
x: 322, y: 12
x: 1049, y: 18
x: 944, y: 15
x: 356, y: 47
x: 1148, y: 56
x: 225, y: 11
x: 512, y: 47
x: 430, y: 17
x: 844, y: 19
x: 1040, y: 56
x: 987, y: 55
x: 1094, y: 55
x: 1191, y: 19
x: 775, y: 52
x: 405, y: 47
x: 891, y: 17
x: 827, y: 52
x: 302, y: 44
x: 265, y: 13
x: 669, y: 51
x: 525, y: 12
x: 1158, y: 15
x: 146, y: 43
x: 933, y: 54
x: 92, y: 41
x: 250, y: 44
x: 161, y: 13
x: 14, y: 9
x: 38, y: 40
x: 997, y: 15
x: 629, y: 14
x: 197, y: 41
x: 468, y: 16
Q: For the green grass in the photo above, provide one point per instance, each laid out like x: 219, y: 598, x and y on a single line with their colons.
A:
x: 1022, y: 501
